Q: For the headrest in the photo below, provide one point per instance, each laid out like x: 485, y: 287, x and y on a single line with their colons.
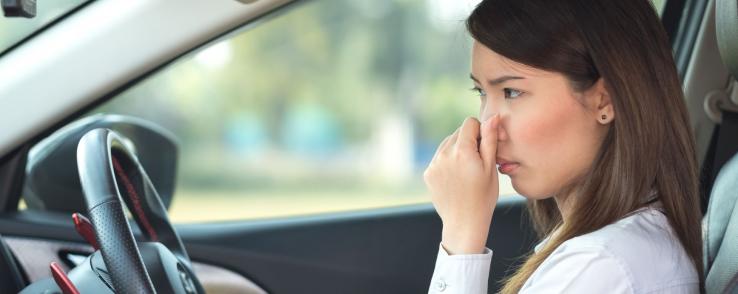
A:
x: 726, y: 26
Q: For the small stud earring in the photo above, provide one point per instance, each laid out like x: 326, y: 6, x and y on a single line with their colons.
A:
x: 604, y: 117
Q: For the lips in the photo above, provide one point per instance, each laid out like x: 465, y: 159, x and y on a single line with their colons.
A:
x: 506, y: 166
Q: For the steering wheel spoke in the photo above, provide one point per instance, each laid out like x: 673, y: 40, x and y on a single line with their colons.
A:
x: 111, y: 175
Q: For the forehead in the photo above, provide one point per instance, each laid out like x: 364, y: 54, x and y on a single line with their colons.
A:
x: 487, y: 63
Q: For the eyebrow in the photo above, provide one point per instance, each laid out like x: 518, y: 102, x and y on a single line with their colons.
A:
x: 497, y: 81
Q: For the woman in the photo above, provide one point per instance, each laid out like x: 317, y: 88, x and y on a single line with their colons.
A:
x: 582, y: 107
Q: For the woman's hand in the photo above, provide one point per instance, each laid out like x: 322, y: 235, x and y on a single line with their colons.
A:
x: 462, y: 181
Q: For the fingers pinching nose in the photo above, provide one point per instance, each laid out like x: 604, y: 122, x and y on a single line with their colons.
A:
x: 490, y: 123
x: 488, y: 143
x: 468, y: 133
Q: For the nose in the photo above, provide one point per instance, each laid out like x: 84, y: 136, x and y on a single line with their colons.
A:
x: 490, y: 108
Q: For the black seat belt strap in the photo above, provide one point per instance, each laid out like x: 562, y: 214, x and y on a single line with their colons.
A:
x: 723, y: 146
x: 727, y: 142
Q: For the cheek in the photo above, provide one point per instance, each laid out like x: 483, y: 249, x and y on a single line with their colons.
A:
x: 555, y: 145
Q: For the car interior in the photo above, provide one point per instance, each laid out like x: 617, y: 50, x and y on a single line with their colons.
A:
x: 53, y: 158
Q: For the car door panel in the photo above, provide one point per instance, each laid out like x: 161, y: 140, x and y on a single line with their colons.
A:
x: 389, y: 250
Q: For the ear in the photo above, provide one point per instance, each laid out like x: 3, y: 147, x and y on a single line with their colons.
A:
x: 602, y: 106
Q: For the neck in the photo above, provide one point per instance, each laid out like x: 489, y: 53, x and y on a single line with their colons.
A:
x: 564, y: 202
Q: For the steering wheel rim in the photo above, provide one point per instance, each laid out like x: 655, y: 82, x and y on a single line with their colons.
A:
x: 106, y: 164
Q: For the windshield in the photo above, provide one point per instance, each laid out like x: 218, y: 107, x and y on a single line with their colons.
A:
x: 15, y: 29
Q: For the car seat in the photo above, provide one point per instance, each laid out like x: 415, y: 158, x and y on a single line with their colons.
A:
x: 721, y: 220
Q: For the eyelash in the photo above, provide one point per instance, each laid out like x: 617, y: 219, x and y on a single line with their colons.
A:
x: 506, y: 92
x: 479, y: 91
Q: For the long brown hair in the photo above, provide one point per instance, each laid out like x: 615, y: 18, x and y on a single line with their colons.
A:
x: 649, y: 146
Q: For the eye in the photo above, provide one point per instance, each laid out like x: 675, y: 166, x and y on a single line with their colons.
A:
x: 511, y: 93
x: 479, y: 91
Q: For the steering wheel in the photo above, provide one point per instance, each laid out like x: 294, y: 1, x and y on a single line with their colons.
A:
x: 111, y: 174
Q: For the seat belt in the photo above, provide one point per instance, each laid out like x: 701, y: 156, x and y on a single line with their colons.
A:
x: 727, y: 141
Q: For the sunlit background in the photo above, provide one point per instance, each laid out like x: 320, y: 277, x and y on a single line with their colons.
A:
x: 334, y: 105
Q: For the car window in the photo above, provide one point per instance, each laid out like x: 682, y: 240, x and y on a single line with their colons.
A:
x: 332, y: 106
x: 659, y: 5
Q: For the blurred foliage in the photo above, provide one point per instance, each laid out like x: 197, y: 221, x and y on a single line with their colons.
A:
x: 310, y: 85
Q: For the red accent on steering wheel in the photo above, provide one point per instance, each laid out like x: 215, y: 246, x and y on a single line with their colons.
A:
x: 136, y: 201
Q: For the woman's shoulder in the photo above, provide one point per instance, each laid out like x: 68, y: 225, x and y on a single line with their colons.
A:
x: 644, y: 246
x: 646, y: 228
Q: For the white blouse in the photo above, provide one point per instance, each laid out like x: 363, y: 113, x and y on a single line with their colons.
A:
x: 637, y: 254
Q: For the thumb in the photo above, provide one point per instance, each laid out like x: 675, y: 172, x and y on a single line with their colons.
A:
x: 488, y: 143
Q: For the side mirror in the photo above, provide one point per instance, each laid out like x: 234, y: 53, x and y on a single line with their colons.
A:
x: 52, y: 180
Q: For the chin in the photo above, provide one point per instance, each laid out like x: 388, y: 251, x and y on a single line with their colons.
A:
x: 530, y: 191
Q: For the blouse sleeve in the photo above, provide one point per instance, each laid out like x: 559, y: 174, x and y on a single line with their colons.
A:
x: 466, y: 273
